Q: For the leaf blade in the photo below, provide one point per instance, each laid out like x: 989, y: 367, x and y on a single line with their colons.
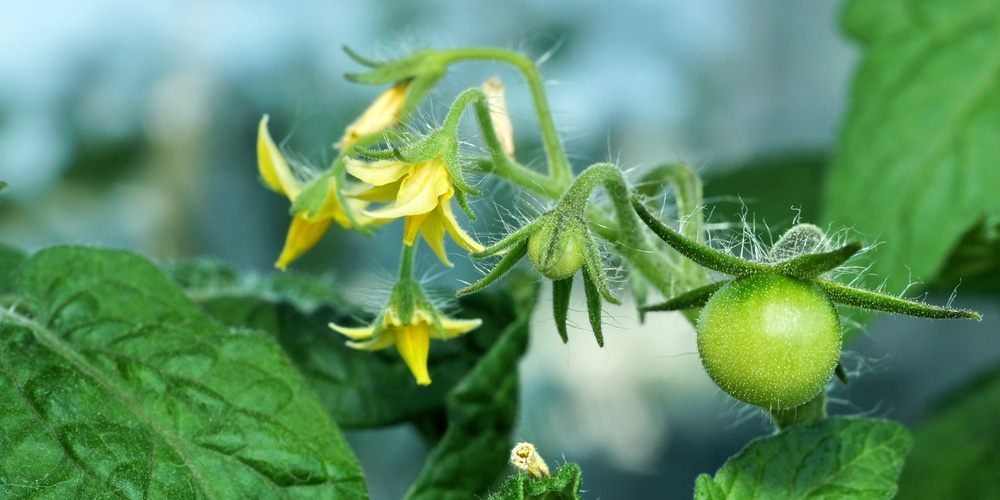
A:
x: 128, y: 388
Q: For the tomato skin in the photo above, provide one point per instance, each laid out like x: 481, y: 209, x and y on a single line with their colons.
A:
x: 555, y: 252
x: 770, y: 340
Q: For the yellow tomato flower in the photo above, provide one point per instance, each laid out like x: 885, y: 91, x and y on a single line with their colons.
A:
x: 421, y: 193
x: 412, y: 337
x: 382, y: 115
x: 305, y: 229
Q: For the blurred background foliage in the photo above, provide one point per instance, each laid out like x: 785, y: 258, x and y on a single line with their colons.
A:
x: 132, y: 125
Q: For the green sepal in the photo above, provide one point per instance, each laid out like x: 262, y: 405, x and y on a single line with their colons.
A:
x: 594, y: 267
x: 701, y: 254
x: 421, y: 63
x: 841, y: 373
x: 561, y: 290
x: 507, y: 242
x: 812, y: 265
x: 593, y: 306
x: 692, y: 299
x: 506, y: 263
x: 875, y: 301
x: 463, y: 201
x: 358, y: 58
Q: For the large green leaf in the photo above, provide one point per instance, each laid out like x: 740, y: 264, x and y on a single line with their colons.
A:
x: 114, y: 384
x: 956, y: 452
x: 918, y: 160
x: 358, y: 388
x: 835, y: 458
x: 469, y: 409
x: 10, y: 261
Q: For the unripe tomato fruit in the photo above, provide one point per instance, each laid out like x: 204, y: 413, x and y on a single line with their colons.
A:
x: 770, y: 340
x: 555, y: 253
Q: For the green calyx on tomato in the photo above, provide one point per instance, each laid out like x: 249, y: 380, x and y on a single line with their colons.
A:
x: 770, y: 336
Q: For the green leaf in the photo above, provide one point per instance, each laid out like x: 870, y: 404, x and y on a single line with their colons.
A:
x: 563, y: 485
x: 10, y: 261
x: 974, y: 264
x: 835, y: 458
x: 956, y: 451
x: 481, y: 411
x: 916, y: 162
x: 113, y: 383
x: 359, y: 389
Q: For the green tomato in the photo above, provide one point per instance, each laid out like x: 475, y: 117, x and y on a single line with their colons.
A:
x: 554, y: 252
x: 770, y: 340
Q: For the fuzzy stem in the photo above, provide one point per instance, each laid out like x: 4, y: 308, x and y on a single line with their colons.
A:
x: 500, y: 164
x: 559, y: 167
x: 804, y: 414
x: 406, y: 262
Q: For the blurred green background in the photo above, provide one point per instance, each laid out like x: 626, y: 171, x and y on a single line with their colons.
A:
x: 133, y: 125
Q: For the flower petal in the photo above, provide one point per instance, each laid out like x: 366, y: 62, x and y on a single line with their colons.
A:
x: 380, y: 342
x: 413, y: 342
x: 419, y: 192
x: 411, y: 228
x: 455, y: 327
x: 272, y: 164
x: 378, y: 172
x: 302, y: 235
x: 354, y: 333
x: 332, y: 209
x: 457, y: 233
x: 384, y: 112
x: 433, y: 229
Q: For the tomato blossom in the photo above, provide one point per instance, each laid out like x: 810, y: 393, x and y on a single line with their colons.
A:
x: 420, y: 192
x: 411, y: 335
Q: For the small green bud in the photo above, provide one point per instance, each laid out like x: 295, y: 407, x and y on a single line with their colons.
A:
x: 556, y: 248
x: 800, y: 239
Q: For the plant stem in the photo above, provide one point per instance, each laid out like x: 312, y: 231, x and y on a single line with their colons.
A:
x: 560, y: 170
x: 804, y: 414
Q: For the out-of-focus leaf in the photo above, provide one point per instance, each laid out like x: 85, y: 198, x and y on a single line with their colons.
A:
x: 469, y: 409
x: 563, y: 485
x: 10, y: 261
x: 956, y: 452
x: 835, y: 458
x: 974, y: 264
x: 774, y: 189
x: 481, y: 410
x: 358, y: 388
x: 917, y: 161
x: 114, y: 384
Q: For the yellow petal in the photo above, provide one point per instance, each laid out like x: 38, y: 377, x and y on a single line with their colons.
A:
x: 457, y: 233
x: 272, y: 165
x: 380, y: 116
x: 378, y: 194
x: 432, y: 229
x: 455, y: 327
x: 413, y: 342
x: 378, y: 172
x: 494, y: 90
x: 380, y: 342
x: 411, y: 228
x: 419, y: 192
x: 302, y: 235
x: 332, y: 209
x: 358, y: 333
